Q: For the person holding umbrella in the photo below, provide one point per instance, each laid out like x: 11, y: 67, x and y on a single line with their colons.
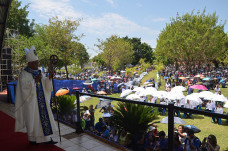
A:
x: 192, y: 143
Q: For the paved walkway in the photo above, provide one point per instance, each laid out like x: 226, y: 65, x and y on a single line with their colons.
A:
x: 82, y: 142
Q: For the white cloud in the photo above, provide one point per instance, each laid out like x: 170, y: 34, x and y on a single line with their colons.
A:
x: 51, y: 8
x: 159, y: 19
x: 112, y: 23
x: 110, y: 2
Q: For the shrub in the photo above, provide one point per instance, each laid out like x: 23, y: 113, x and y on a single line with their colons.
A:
x: 133, y: 118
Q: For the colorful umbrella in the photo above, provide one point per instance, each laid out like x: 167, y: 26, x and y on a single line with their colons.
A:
x: 94, y: 79
x: 199, y: 87
x: 76, y: 88
x: 207, y: 78
x: 182, y: 78
x: 101, y: 93
x: 192, y: 127
x: 88, y: 82
x: 62, y: 91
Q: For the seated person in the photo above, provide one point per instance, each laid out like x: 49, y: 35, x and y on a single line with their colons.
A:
x: 99, y: 126
x: 162, y: 101
x: 114, y: 136
x: 182, y: 135
x: 189, y: 106
x: 177, y: 144
x: 219, y: 110
x: 177, y: 103
x: 210, y: 143
x: 209, y: 106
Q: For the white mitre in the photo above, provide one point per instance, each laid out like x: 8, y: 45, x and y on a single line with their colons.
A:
x: 31, y: 54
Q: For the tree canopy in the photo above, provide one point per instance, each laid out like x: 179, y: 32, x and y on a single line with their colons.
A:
x: 141, y: 50
x: 192, y: 39
x: 18, y: 19
x: 116, y: 52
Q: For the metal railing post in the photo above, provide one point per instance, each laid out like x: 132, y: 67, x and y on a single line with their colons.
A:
x: 79, y: 126
x: 170, y: 126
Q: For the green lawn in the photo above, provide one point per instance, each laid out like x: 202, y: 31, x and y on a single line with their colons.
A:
x: 200, y: 121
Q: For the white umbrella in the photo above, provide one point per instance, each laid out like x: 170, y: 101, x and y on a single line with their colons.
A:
x: 134, y: 97
x: 137, y: 89
x: 125, y: 93
x: 160, y: 94
x: 194, y: 99
x: 178, y: 89
x: 206, y: 95
x: 175, y: 95
x: 150, y: 91
x: 106, y: 115
x: 226, y: 105
x: 177, y: 120
x: 217, y: 97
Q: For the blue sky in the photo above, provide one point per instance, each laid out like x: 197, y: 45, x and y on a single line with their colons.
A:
x: 134, y: 18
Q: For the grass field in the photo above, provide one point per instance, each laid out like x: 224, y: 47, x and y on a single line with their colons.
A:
x: 200, y: 121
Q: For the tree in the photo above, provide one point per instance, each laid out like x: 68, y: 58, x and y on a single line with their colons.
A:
x: 18, y: 20
x: 193, y: 39
x: 143, y: 65
x: 61, y: 37
x: 141, y: 50
x: 116, y: 52
x: 81, y: 54
x: 99, y: 60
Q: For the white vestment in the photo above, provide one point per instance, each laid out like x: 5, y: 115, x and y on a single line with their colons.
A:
x: 26, y: 107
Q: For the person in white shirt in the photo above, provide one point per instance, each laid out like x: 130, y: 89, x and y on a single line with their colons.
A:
x: 209, y: 106
x: 177, y: 103
x: 218, y: 110
x: 189, y: 106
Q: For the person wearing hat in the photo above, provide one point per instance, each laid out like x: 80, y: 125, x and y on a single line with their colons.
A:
x: 32, y: 103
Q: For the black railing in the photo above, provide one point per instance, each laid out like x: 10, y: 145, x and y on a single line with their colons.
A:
x: 170, y: 107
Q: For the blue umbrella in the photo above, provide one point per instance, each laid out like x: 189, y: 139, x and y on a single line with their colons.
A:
x: 149, y: 80
x: 166, y: 77
x: 222, y: 81
x: 207, y: 78
x: 192, y: 127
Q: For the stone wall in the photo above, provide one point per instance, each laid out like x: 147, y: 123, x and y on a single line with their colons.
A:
x: 6, y: 68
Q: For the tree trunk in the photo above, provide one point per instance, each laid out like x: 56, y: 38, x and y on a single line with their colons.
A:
x: 65, y: 64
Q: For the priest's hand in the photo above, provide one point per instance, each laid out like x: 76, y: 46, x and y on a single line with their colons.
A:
x: 39, y: 76
x: 51, y: 73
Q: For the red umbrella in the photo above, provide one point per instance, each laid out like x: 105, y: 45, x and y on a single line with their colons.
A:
x: 76, y: 88
x: 199, y: 87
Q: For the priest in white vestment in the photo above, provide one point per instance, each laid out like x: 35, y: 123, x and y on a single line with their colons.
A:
x: 33, y: 114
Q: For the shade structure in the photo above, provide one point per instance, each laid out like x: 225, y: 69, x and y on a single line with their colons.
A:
x: 192, y: 127
x: 106, y: 115
x: 88, y: 82
x: 177, y: 120
x: 125, y: 93
x: 199, y: 87
x: 62, y: 91
x: 101, y: 93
